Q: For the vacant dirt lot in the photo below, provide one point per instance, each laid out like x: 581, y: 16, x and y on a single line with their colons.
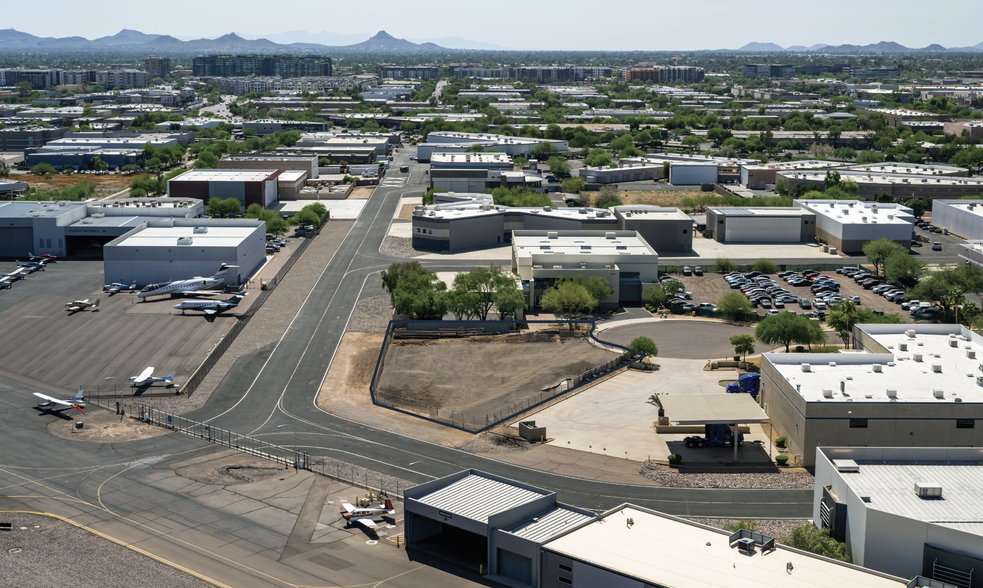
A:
x: 482, y: 375
x: 659, y: 197
x: 107, y: 184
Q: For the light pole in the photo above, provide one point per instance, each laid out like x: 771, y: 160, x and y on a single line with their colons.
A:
x: 424, y: 462
x: 118, y: 396
x: 294, y: 431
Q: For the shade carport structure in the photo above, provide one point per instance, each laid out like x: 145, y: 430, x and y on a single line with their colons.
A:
x: 713, y: 409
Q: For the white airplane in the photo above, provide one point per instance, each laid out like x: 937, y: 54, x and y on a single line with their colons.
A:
x: 147, y: 377
x: 364, y: 516
x: 17, y: 275
x: 211, y: 307
x: 54, y: 405
x: 116, y: 287
x: 77, y: 305
x: 191, y: 286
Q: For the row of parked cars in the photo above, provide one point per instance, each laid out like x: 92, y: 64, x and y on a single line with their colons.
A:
x: 764, y: 292
x: 274, y: 245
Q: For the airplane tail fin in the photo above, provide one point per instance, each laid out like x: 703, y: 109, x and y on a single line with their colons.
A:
x: 221, y: 271
x: 79, y: 396
x: 389, y: 504
x: 170, y: 377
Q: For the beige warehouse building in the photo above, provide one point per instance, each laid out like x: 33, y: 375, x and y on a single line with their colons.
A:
x: 909, y: 386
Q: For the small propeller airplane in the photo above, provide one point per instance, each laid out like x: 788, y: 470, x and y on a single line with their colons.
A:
x: 147, y: 377
x: 77, y: 305
x: 211, y: 307
x: 32, y: 265
x: 54, y: 405
x: 18, y: 275
x: 44, y: 257
x: 364, y: 516
x: 116, y: 287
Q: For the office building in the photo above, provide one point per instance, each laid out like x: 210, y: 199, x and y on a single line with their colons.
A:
x: 284, y: 66
x: 960, y: 217
x: 632, y: 172
x: 248, y: 186
x: 905, y: 185
x: 305, y: 163
x: 875, y: 72
x: 83, y: 158
x: 972, y: 128
x: 261, y: 84
x: 768, y: 71
x: 665, y: 229
x: 622, y: 258
x: 847, y: 224
x: 664, y: 74
x: 905, y: 511
x: 479, y: 179
x: 910, y: 386
x: 895, y: 117
x: 770, y: 224
x: 157, y: 66
x: 408, y: 72
x: 74, y: 77
x: 487, y: 161
x: 38, y: 78
x: 19, y: 138
x: 160, y: 252
x: 122, y: 78
x: 9, y: 188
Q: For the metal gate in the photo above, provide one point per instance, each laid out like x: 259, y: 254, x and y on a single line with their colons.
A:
x: 515, y: 566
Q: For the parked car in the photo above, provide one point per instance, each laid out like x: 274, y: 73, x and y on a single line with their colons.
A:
x: 804, y: 303
x: 819, y: 305
x: 771, y: 312
x: 687, y: 271
x: 855, y: 299
x: 698, y: 271
x: 936, y: 246
x: 778, y: 303
x: 707, y: 306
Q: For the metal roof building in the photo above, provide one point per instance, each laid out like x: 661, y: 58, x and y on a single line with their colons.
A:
x: 906, y: 511
x: 472, y: 516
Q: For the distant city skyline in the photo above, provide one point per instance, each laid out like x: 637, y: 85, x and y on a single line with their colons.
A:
x: 653, y: 25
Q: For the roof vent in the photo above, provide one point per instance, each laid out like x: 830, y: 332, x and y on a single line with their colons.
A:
x: 552, y: 235
x: 185, y: 241
x: 892, y: 393
x: 877, y: 368
x: 910, y: 333
x: 938, y: 393
x: 928, y: 490
x: 937, y: 368
x: 827, y: 393
x: 806, y: 367
x: 917, y: 357
x: 832, y: 364
x: 200, y: 230
x: 609, y: 234
x: 846, y: 465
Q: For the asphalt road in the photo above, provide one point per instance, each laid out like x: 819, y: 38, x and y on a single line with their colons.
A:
x: 286, y: 383
x: 682, y: 339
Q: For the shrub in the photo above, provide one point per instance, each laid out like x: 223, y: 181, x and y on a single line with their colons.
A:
x: 780, y: 441
x: 737, y: 358
x: 724, y: 265
x: 675, y: 458
x: 781, y: 459
x: 809, y: 538
x: 799, y: 349
x: 765, y: 266
x: 643, y: 345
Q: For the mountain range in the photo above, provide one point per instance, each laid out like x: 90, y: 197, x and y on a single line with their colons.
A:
x: 882, y: 47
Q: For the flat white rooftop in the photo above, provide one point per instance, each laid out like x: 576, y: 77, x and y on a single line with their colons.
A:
x: 536, y: 243
x: 445, y: 157
x: 661, y: 549
x: 908, y: 369
x: 760, y: 211
x: 855, y: 212
x: 908, y: 169
x: 880, y: 178
x: 650, y: 212
x: 477, y: 209
x: 225, y: 175
x: 888, y: 476
x: 168, y: 237
x: 787, y: 165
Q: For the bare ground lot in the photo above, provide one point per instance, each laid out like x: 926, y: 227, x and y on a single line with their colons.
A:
x: 481, y: 375
x: 672, y: 198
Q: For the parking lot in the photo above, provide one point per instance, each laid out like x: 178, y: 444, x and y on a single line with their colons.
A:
x: 712, y: 287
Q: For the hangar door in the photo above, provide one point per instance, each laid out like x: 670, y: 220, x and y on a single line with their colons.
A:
x: 763, y: 229
x: 16, y: 241
x: 515, y: 566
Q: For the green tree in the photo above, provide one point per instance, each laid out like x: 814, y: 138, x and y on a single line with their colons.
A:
x: 306, y: 218
x: 765, y: 266
x: 476, y: 148
x: 396, y: 272
x: 734, y: 303
x: 878, y: 250
x: 868, y: 157
x: 939, y: 285
x: 23, y: 88
x: 277, y: 226
x: 808, y: 538
x: 656, y: 295
x: 573, y: 185
x: 508, y: 299
x: 607, y: 197
x: 223, y: 207
x: 598, y: 158
x: 643, y: 346
x: 42, y: 168
x: 558, y: 165
x: 900, y: 266
x: 842, y: 316
x: 543, y: 151
x: 781, y: 187
x: 783, y: 329
x: 673, y: 287
x: 743, y: 344
x: 725, y: 265
x: 568, y: 298
x: 317, y: 208
x: 482, y: 283
x: 598, y: 288
x: 885, y: 198
x: 97, y: 164
x: 462, y: 304
x: 421, y: 296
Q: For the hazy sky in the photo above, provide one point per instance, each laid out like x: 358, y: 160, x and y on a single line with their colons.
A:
x: 568, y: 24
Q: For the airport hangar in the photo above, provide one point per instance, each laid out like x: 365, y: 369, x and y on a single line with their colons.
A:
x: 76, y: 229
x: 176, y: 249
x: 522, y: 537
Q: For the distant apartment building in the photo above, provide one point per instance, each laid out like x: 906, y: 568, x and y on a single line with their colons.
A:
x: 972, y: 127
x: 768, y: 71
x: 581, y: 73
x: 158, y: 67
x: 663, y: 74
x: 875, y: 72
x: 482, y: 73
x: 260, y: 84
x: 78, y: 76
x: 815, y: 70
x: 410, y: 72
x: 38, y: 78
x: 122, y: 78
x: 284, y: 66
x: 544, y: 75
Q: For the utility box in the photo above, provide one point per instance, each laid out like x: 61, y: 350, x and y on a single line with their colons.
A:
x: 531, y: 433
x: 79, y: 424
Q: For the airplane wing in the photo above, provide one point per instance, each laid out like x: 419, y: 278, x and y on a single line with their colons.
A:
x: 211, y: 311
x: 367, y: 522
x: 143, y: 377
x: 346, y: 505
x: 52, y: 400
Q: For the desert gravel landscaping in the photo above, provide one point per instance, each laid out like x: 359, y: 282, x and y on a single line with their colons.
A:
x: 371, y: 315
x: 667, y: 476
x: 778, y: 528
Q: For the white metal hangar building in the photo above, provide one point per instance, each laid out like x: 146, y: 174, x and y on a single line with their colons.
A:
x: 168, y: 250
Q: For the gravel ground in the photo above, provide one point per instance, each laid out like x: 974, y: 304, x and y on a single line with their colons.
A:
x: 371, y: 315
x: 56, y: 554
x: 778, y: 528
x: 271, y: 320
x: 490, y: 442
x: 399, y: 247
x: 669, y: 477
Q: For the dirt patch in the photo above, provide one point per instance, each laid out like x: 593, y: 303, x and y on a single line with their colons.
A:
x: 672, y: 198
x: 504, y: 441
x: 482, y: 376
x: 102, y: 426
x: 346, y: 393
x: 667, y: 476
x: 406, y: 211
x: 230, y: 469
x: 361, y: 194
x: 107, y: 184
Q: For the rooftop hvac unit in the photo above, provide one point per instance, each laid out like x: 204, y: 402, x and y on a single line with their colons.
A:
x: 928, y: 490
x: 902, y: 347
x: 937, y: 368
x: 892, y: 393
x: 938, y: 393
x: 609, y: 234
x: 917, y: 357
x: 185, y: 241
x: 806, y: 367
x: 552, y: 235
x: 910, y: 333
x: 832, y: 364
x: 957, y: 399
x: 878, y: 368
x: 970, y: 354
x: 200, y: 230
x: 953, y: 343
x: 827, y: 393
